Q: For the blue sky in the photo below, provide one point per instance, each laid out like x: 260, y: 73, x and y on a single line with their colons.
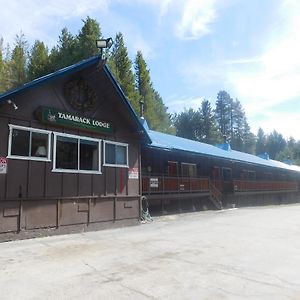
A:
x: 194, y: 48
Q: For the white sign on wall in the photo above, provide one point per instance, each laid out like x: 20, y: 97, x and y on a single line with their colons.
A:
x: 154, y: 182
x: 133, y: 173
x: 3, y: 165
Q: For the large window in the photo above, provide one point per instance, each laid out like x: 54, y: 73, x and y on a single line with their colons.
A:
x: 29, y: 143
x: 115, y: 154
x: 188, y: 170
x: 76, y: 154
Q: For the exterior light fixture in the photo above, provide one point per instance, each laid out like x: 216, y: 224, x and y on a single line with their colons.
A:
x: 104, y: 44
x: 10, y: 102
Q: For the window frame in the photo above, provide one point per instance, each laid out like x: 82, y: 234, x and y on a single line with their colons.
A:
x: 188, y: 164
x: 117, y: 144
x: 30, y: 130
x: 79, y: 138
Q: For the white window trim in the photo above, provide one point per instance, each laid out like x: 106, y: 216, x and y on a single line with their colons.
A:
x: 115, y: 165
x: 30, y: 129
x: 78, y: 137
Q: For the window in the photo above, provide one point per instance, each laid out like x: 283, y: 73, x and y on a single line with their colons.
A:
x: 29, y: 143
x: 188, y: 170
x: 216, y: 173
x: 248, y: 175
x: 76, y: 154
x: 226, y: 174
x: 267, y: 176
x: 251, y: 175
x: 115, y: 154
x: 172, y: 168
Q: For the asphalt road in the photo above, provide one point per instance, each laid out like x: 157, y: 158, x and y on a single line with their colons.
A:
x: 247, y: 253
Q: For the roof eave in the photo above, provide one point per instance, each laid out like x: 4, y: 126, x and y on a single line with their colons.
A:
x: 127, y: 103
x: 44, y: 79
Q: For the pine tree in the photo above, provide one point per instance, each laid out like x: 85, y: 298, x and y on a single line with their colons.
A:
x: 164, y: 123
x: 5, y: 68
x: 223, y: 113
x: 187, y: 124
x: 208, y: 129
x: 38, y: 61
x: 155, y: 111
x: 260, y: 142
x: 64, y: 54
x: 121, y: 66
x: 239, y: 125
x: 2, y: 88
x: 86, y: 39
x: 248, y: 138
x: 19, y: 61
x: 274, y: 144
x: 144, y: 87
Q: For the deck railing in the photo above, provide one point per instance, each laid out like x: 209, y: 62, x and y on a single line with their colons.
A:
x: 166, y: 184
x: 245, y: 186
x: 152, y: 184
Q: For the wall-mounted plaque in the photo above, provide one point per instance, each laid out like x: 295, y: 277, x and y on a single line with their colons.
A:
x: 56, y: 117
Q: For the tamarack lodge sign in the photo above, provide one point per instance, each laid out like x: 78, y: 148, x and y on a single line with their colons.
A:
x: 66, y: 119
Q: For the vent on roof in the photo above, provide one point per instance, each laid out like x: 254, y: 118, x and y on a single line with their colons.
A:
x: 225, y: 146
x: 144, y: 123
x: 288, y: 161
x: 264, y: 156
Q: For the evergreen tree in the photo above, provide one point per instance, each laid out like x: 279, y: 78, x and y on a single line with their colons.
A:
x: 223, y: 113
x: 237, y: 125
x: 38, y: 61
x: 5, y: 68
x: 164, y: 123
x: 121, y: 66
x: 187, y: 124
x: 86, y: 39
x: 208, y: 132
x: 275, y: 144
x: 2, y: 88
x: 260, y: 142
x: 154, y: 110
x: 19, y: 61
x: 64, y: 54
x: 248, y: 139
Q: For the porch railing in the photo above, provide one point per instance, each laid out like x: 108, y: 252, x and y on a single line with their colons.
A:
x: 165, y: 184
x: 245, y: 186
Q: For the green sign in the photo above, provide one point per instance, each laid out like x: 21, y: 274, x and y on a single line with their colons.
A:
x: 62, y: 118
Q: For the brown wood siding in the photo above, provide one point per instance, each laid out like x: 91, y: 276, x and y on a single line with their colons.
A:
x: 33, y: 196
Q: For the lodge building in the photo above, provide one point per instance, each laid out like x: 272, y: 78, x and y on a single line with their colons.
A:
x: 70, y: 151
x: 74, y: 155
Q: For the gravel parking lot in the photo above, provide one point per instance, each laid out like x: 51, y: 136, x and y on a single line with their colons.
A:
x: 247, y: 253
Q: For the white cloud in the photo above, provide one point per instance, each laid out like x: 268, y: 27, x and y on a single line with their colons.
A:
x: 45, y: 21
x: 282, y: 123
x: 39, y: 19
x: 177, y: 103
x: 274, y: 76
x: 197, y: 16
x: 263, y: 81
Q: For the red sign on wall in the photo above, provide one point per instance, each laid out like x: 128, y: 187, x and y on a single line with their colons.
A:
x: 133, y: 173
x: 3, y: 165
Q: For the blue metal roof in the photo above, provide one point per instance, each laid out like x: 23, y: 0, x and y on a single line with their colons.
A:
x: 174, y: 143
x: 70, y: 70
